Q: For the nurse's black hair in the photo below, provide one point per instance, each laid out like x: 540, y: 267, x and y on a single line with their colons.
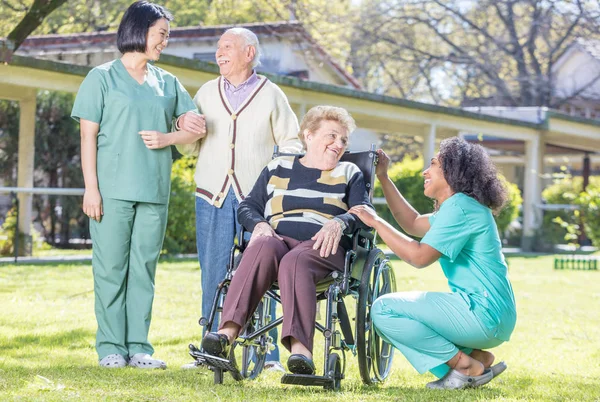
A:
x: 469, y: 169
x: 133, y: 29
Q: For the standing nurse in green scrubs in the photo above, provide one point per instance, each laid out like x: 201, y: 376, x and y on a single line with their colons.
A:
x: 125, y: 107
x: 445, y: 333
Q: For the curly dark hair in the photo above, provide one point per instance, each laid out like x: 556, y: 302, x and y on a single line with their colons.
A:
x: 468, y: 169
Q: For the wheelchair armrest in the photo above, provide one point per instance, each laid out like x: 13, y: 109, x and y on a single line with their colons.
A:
x: 362, y: 238
x: 242, y: 242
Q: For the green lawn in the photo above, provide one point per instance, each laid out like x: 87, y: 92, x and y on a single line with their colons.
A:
x: 47, y: 342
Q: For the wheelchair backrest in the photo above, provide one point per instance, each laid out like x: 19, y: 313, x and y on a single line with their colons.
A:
x: 365, y: 160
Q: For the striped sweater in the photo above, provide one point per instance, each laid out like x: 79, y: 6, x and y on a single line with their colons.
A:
x: 297, y: 201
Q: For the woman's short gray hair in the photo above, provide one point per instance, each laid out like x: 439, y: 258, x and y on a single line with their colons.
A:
x: 250, y: 39
x: 317, y: 114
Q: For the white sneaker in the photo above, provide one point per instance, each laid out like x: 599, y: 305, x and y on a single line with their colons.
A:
x: 145, y: 361
x: 193, y: 365
x: 113, y: 361
x: 274, y: 365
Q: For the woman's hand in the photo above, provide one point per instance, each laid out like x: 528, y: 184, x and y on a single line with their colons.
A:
x: 155, y: 139
x: 263, y: 229
x: 365, y: 214
x: 328, y: 238
x: 192, y: 123
x: 92, y: 204
x: 383, y: 164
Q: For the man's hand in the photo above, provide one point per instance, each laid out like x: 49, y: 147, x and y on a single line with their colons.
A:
x: 192, y: 123
x: 383, y: 163
x: 328, y: 238
x: 92, y: 204
x: 263, y: 229
x: 365, y: 214
x: 155, y: 139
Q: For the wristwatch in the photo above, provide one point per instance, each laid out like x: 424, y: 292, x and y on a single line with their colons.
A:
x: 342, y: 224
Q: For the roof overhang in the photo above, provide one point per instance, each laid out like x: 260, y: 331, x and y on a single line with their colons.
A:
x: 376, y: 112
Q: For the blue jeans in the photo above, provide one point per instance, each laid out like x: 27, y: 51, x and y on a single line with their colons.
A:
x: 216, y: 230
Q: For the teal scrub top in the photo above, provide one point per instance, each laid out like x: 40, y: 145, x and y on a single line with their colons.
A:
x: 465, y: 233
x: 122, y: 107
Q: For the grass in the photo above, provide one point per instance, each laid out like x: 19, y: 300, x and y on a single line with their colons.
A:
x: 47, y: 342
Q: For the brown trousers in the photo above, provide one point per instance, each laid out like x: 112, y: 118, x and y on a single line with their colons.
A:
x: 297, y: 268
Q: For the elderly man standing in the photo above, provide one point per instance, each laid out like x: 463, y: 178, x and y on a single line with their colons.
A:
x: 246, y: 115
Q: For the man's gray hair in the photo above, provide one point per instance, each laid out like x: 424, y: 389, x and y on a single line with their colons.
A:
x: 250, y: 39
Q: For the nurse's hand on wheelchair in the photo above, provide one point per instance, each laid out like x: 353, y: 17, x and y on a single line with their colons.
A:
x: 263, y: 229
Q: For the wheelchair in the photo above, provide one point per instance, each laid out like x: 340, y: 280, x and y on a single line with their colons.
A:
x: 367, y: 274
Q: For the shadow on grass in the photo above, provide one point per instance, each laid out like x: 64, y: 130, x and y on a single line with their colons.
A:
x: 75, y: 339
x: 174, y: 384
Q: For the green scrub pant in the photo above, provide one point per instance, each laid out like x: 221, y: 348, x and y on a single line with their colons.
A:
x: 429, y: 328
x: 126, y: 246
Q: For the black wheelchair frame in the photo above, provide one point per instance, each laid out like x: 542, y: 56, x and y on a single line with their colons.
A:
x: 367, y: 275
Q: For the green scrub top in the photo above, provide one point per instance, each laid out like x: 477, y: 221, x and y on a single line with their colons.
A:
x: 465, y: 233
x: 109, y: 96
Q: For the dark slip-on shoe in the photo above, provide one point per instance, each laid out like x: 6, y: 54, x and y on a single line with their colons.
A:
x: 216, y: 344
x: 300, y: 364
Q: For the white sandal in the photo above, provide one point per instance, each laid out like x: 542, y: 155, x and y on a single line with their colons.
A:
x: 113, y: 361
x: 145, y: 361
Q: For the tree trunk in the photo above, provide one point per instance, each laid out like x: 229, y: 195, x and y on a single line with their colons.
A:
x: 39, y: 10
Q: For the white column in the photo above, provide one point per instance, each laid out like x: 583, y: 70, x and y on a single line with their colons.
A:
x: 532, y: 191
x: 428, y: 144
x: 26, y: 160
x: 301, y: 112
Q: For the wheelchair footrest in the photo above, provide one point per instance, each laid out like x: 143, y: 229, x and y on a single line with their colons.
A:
x: 216, y: 362
x: 303, y: 379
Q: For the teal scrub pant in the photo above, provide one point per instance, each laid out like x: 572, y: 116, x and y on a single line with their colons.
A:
x: 126, y: 246
x: 429, y: 328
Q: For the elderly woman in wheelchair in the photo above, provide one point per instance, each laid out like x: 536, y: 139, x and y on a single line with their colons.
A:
x: 297, y: 213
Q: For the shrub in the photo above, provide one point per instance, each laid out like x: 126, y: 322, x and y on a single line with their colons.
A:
x: 589, y: 204
x: 511, y: 210
x: 181, y: 226
x: 7, y: 236
x: 556, y: 224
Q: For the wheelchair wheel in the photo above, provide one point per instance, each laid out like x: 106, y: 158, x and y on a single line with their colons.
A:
x: 334, y: 369
x: 253, y: 352
x: 374, y: 354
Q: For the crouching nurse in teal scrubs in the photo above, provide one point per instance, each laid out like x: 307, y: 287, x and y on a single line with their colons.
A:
x: 124, y: 108
x: 446, y: 333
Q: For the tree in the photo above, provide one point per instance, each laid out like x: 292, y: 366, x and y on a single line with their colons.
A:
x: 34, y: 15
x: 450, y: 52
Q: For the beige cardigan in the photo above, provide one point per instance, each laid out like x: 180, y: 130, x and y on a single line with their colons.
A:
x: 239, y: 143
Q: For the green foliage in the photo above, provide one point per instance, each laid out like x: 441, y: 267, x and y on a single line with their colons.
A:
x: 57, y: 163
x: 589, y: 204
x: 7, y: 233
x: 510, y: 212
x: 9, y: 133
x: 181, y: 226
x: 557, y: 226
x: 7, y: 236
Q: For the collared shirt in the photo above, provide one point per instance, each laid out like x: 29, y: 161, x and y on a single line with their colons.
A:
x: 237, y: 95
